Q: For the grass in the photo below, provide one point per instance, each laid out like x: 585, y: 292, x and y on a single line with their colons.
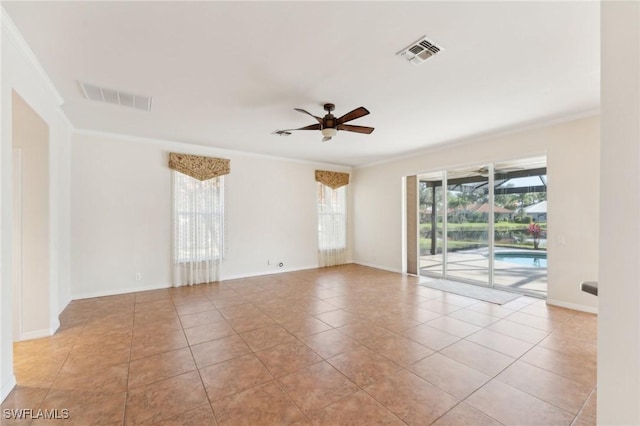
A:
x: 466, y: 238
x: 425, y: 245
x: 470, y: 226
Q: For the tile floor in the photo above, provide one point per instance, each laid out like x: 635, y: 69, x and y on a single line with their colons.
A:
x: 345, y: 345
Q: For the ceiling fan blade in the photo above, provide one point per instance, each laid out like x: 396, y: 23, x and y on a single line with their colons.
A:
x: 308, y: 113
x: 287, y: 132
x: 357, y: 129
x: 282, y: 132
x: 310, y: 127
x: 356, y: 113
x: 326, y: 138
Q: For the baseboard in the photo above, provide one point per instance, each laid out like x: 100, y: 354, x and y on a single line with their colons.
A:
x: 118, y: 291
x: 37, y: 334
x: 6, y: 388
x: 267, y: 272
x: 574, y: 306
x: 55, y: 326
x: 222, y: 278
x: 384, y: 268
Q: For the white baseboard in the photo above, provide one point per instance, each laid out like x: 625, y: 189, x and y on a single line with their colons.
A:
x: 275, y: 270
x: 115, y: 292
x: 55, y: 326
x: 7, y: 388
x: 574, y: 306
x: 36, y: 334
x: 384, y: 268
x: 267, y: 272
x: 104, y: 293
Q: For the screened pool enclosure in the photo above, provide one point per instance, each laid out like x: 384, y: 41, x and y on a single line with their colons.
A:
x: 484, y: 225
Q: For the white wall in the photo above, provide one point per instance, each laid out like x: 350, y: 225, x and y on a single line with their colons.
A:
x: 21, y: 72
x: 60, y: 171
x: 619, y: 282
x: 31, y: 136
x: 121, y: 213
x: 572, y: 167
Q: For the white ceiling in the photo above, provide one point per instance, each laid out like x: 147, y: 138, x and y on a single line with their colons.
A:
x: 227, y: 74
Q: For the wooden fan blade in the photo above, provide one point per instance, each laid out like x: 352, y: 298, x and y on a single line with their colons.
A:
x: 308, y: 113
x: 310, y: 127
x: 356, y: 113
x: 282, y: 132
x: 357, y: 129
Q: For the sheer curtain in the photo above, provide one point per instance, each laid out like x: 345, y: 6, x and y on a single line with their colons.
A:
x: 198, y: 229
x: 332, y: 225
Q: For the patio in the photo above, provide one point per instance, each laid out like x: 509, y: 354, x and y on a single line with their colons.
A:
x: 473, y: 265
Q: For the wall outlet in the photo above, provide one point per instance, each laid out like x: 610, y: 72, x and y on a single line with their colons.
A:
x: 138, y: 276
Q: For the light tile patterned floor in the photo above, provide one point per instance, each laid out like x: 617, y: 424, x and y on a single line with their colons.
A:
x: 344, y: 345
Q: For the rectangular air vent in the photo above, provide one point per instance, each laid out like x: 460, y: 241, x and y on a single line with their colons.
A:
x: 115, y: 97
x: 420, y: 51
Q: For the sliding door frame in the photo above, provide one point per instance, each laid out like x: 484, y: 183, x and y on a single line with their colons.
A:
x: 490, y: 237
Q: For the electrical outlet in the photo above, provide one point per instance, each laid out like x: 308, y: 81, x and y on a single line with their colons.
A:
x: 138, y: 276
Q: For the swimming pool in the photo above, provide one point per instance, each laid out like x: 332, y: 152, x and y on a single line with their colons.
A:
x: 536, y: 260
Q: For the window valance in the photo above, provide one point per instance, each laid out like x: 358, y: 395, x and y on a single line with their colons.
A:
x: 333, y: 180
x: 201, y: 168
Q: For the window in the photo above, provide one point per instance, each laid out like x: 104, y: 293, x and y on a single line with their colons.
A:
x: 198, y: 228
x: 332, y: 225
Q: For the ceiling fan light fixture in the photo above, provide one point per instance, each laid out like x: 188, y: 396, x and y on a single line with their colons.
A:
x: 329, y: 132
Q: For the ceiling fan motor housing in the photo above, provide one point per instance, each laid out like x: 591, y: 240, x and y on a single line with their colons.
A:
x: 329, y: 120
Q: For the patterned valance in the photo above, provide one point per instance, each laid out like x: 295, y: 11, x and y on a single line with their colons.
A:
x: 201, y: 168
x: 333, y: 180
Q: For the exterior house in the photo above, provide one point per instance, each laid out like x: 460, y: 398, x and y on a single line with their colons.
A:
x: 537, y: 211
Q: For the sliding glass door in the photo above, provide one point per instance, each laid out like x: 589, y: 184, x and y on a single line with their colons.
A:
x: 520, y: 210
x: 431, y: 224
x: 486, y: 225
x: 468, y: 225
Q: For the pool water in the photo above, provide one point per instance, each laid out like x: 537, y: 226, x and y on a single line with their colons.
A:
x: 536, y: 260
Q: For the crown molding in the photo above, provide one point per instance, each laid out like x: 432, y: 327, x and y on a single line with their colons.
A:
x: 12, y: 34
x: 196, y: 149
x: 445, y: 145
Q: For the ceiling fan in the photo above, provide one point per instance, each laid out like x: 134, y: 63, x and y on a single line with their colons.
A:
x: 329, y: 124
x: 501, y: 170
x: 484, y: 171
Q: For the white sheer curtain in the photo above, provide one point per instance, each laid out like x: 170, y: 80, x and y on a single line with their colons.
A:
x: 198, y: 229
x: 332, y: 225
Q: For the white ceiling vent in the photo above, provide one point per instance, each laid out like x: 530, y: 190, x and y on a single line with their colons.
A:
x: 420, y: 51
x: 116, y: 97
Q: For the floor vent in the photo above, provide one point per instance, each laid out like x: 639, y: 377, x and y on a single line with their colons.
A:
x: 115, y: 97
x: 420, y: 51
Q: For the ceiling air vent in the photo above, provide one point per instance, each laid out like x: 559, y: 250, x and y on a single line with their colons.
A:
x: 116, y: 97
x: 420, y: 51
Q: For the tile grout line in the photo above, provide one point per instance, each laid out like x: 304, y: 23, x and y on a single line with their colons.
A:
x: 126, y: 396
x: 586, y: 401
x: 352, y: 296
x: 200, y: 376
